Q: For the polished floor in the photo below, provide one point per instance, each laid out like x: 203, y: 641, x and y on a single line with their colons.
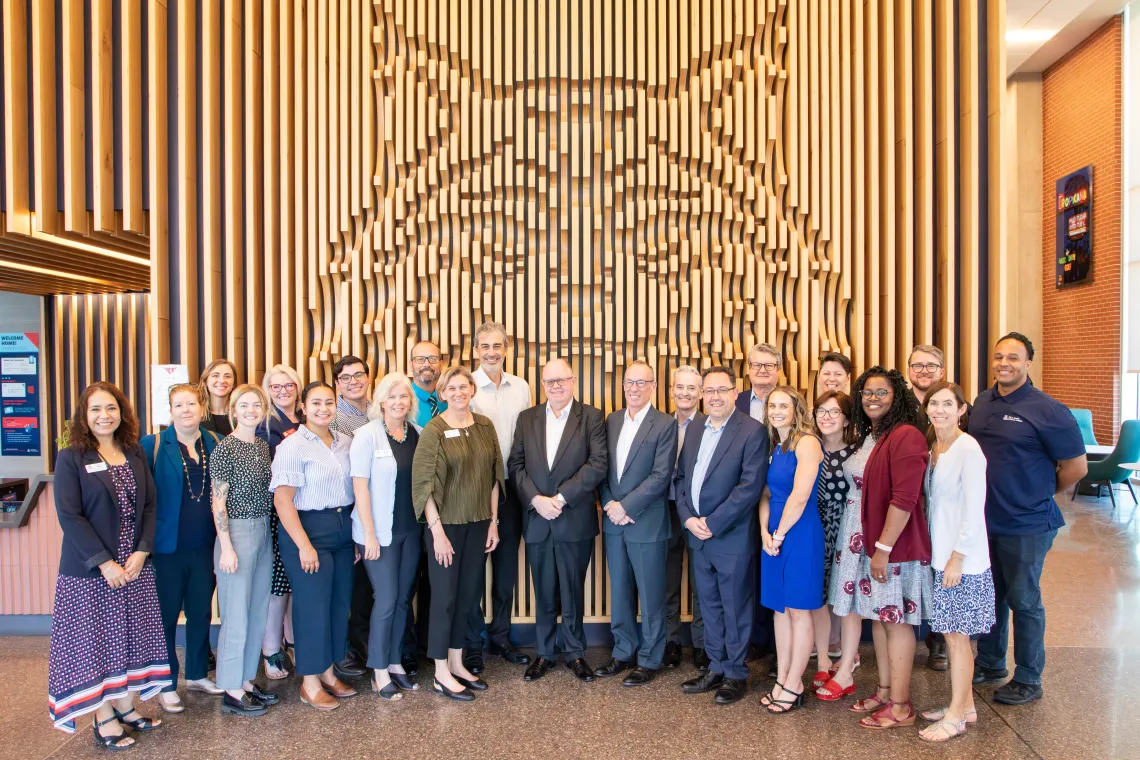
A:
x: 1092, y: 588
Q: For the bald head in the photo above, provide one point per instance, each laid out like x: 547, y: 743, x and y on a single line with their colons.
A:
x: 559, y: 382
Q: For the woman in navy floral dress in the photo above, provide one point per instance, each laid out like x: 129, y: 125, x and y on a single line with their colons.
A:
x: 107, y: 639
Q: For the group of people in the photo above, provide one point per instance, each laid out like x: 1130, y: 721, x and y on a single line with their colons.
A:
x: 320, y: 513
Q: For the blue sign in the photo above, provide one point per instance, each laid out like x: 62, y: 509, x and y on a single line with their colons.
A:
x: 20, y: 394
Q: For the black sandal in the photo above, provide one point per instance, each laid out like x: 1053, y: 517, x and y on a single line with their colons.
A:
x: 768, y: 696
x: 138, y: 724
x: 111, y: 742
x: 785, y: 706
x: 390, y: 691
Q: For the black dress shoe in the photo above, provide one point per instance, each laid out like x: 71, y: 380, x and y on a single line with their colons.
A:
x: 701, y: 660
x: 248, y: 706
x: 581, y: 669
x: 986, y: 675
x: 267, y: 698
x: 473, y: 661
x: 508, y: 653
x: 410, y: 664
x: 475, y: 684
x: 731, y: 691
x: 672, y: 656
x: 463, y: 695
x: 350, y: 667
x: 537, y: 669
x: 404, y: 682
x: 639, y: 676
x: 1017, y: 693
x: 707, y: 682
x: 938, y: 659
x: 612, y: 668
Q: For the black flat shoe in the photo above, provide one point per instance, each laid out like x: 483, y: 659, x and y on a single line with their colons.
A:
x: 248, y: 706
x: 672, y: 656
x: 707, y: 682
x: 112, y: 742
x: 581, y: 669
x: 1017, y: 693
x: 473, y: 661
x: 404, y: 682
x: 411, y: 664
x: 732, y: 691
x: 463, y: 695
x: 537, y: 669
x: 140, y: 724
x: 475, y: 684
x: 701, y: 659
x: 508, y: 653
x: 988, y: 675
x: 267, y: 698
x: 639, y: 676
x: 350, y: 667
x: 612, y: 668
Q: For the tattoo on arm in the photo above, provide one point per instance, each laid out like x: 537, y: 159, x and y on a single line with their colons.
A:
x: 221, y: 518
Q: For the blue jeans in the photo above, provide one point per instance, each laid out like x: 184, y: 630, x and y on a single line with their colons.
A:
x: 1017, y: 562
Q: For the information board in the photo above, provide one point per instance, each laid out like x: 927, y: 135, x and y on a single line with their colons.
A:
x: 20, y: 395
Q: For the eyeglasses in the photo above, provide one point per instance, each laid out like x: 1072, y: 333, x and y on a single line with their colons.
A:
x: 831, y: 414
x: 710, y: 392
x: 278, y: 387
x: 764, y: 366
x: 880, y: 394
x: 639, y: 384
x: 557, y: 382
x: 425, y: 360
x: 925, y: 367
x: 347, y: 377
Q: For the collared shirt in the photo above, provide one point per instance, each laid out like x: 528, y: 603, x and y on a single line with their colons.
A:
x: 756, y: 406
x: 709, y: 442
x: 555, y: 426
x: 501, y: 405
x: 682, y: 426
x: 349, y: 419
x: 1023, y: 435
x: 429, y: 406
x: 319, y: 473
x: 629, y: 428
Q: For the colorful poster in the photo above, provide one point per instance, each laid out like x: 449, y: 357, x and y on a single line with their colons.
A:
x: 1074, y: 228
x: 20, y: 434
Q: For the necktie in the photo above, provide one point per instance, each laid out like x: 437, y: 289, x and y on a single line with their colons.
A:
x: 434, y: 404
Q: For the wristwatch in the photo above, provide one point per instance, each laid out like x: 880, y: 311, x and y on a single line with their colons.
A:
x: 495, y: 520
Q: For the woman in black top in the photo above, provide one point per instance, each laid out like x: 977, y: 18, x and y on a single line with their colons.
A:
x: 215, y: 385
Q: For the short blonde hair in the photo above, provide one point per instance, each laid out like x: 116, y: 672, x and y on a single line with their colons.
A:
x: 767, y: 348
x: 449, y: 374
x: 384, y: 389
x: 282, y: 369
x: 240, y: 391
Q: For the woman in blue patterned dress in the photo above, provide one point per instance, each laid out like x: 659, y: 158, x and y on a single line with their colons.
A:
x: 106, y: 639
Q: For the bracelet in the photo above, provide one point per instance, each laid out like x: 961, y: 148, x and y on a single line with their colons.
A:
x: 884, y: 547
x: 777, y: 537
x: 432, y: 523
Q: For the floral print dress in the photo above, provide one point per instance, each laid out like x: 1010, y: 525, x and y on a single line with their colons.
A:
x: 905, y: 597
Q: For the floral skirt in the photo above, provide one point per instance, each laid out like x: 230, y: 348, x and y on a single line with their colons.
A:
x: 904, y: 598
x: 967, y: 608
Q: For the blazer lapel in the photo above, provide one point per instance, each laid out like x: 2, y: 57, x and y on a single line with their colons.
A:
x: 138, y: 467
x: 103, y: 475
x: 575, y: 413
x: 540, y: 432
x: 639, y: 438
x: 731, y: 428
x: 613, y: 431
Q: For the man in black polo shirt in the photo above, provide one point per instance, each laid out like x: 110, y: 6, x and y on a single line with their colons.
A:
x: 1034, y: 450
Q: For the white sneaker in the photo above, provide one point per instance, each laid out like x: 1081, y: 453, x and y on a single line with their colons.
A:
x: 204, y: 685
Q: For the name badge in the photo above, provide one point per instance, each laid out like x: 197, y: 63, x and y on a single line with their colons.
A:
x: 382, y: 453
x: 450, y: 433
x: 97, y: 467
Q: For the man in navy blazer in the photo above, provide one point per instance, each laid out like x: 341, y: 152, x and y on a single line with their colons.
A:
x: 635, y: 497
x: 719, y: 479
x: 557, y: 461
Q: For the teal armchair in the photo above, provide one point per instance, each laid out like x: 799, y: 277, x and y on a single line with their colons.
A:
x: 1085, y: 421
x: 1106, y: 471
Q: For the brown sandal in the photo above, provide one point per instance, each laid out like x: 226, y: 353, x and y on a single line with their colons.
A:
x: 884, y: 717
x: 871, y: 703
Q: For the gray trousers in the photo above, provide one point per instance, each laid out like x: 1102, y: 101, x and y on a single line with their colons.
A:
x: 243, y: 601
x: 678, y: 545
x: 637, y: 570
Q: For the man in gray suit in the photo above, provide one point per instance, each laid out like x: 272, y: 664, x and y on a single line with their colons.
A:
x: 635, y: 496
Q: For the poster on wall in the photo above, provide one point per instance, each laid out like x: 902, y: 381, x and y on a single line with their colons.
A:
x: 1074, y: 228
x: 162, y: 378
x: 20, y: 394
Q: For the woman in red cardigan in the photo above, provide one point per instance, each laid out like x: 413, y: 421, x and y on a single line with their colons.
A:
x: 894, y: 585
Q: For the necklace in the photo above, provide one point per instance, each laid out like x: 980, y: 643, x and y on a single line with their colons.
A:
x: 203, y: 458
x: 402, y: 438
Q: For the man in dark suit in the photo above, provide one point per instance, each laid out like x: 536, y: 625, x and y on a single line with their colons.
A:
x: 720, y: 476
x: 557, y: 460
x: 635, y: 496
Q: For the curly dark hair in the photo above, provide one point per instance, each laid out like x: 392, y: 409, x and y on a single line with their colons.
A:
x: 903, y: 411
x: 126, y: 435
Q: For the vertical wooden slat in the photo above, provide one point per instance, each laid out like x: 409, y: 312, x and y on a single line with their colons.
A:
x: 102, y: 117
x: 158, y: 322
x: 213, y: 85
x: 43, y: 114
x: 16, y: 145
x: 74, y: 124
x: 130, y: 87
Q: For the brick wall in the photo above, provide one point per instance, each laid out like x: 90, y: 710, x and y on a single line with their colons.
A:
x: 1081, y: 119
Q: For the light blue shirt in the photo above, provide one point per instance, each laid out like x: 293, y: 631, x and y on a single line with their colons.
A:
x: 319, y: 473
x: 756, y: 407
x: 709, y: 442
x: 423, y: 408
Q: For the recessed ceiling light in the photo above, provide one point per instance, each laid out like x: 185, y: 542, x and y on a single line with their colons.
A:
x: 1028, y: 35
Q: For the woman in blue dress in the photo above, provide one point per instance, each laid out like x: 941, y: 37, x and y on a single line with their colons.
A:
x: 791, y: 575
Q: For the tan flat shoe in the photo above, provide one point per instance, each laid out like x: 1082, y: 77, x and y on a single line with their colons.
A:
x: 339, y: 689
x: 322, y: 700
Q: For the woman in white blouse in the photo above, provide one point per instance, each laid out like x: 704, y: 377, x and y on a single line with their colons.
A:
x: 384, y: 526
x: 963, y: 602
